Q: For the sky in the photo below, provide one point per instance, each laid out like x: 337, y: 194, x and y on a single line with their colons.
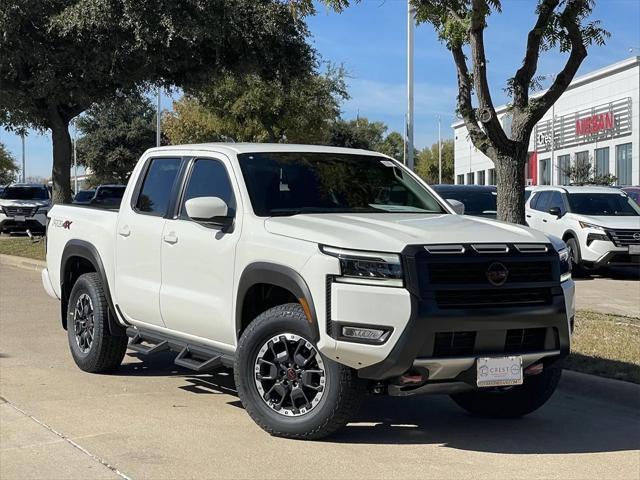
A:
x: 369, y: 39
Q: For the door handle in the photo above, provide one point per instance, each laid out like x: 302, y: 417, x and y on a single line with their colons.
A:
x: 528, y: 216
x: 124, y: 231
x: 544, y: 220
x: 170, y: 238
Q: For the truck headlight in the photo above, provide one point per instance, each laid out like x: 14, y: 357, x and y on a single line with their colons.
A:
x: 368, y: 268
x: 42, y: 210
x: 565, y: 264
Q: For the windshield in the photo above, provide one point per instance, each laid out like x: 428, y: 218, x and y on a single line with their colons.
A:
x: 25, y: 193
x: 110, y: 192
x: 475, y: 203
x: 84, y: 195
x: 287, y: 183
x: 603, y: 204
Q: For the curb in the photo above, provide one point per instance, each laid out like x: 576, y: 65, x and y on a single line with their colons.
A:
x: 22, y: 262
x: 599, y: 388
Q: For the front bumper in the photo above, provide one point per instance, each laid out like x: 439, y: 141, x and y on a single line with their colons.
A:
x: 436, y: 334
x: 36, y: 222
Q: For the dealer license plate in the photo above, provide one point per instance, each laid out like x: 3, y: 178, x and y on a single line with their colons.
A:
x: 634, y: 249
x: 499, y: 371
x: 19, y: 218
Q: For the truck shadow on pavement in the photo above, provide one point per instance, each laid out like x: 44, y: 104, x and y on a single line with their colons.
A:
x: 569, y: 423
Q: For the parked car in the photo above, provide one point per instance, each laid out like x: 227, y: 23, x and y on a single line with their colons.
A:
x: 319, y: 274
x: 633, y: 192
x: 600, y: 225
x: 84, y: 197
x: 478, y: 200
x: 24, y: 206
x: 108, y: 195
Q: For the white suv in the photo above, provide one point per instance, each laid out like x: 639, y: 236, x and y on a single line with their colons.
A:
x: 600, y: 225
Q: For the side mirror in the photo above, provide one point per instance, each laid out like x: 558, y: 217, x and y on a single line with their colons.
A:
x: 555, y: 211
x: 209, y: 211
x: 457, y: 205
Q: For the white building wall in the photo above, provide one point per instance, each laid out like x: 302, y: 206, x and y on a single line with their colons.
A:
x: 610, y: 84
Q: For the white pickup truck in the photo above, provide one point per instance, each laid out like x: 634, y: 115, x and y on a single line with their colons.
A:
x: 320, y: 275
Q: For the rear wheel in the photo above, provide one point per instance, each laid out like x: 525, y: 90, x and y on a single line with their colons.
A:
x: 92, y: 346
x: 512, y: 401
x: 287, y: 386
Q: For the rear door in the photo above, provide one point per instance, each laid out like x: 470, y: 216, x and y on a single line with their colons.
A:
x: 551, y: 223
x: 198, y: 260
x: 138, y: 241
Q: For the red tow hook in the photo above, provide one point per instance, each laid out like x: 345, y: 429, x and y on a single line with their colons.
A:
x: 412, y: 379
x: 534, y: 369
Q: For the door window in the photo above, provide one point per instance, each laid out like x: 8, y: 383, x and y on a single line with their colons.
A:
x: 155, y: 193
x: 542, y: 201
x: 556, y: 201
x: 209, y: 178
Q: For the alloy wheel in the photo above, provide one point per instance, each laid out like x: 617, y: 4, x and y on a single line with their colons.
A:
x: 83, y: 323
x: 289, y: 374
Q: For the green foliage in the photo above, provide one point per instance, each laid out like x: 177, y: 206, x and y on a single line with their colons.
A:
x: 581, y: 172
x: 358, y: 133
x: 115, y: 135
x: 8, y: 168
x: 190, y: 122
x: 393, y: 146
x: 427, y: 163
x: 57, y: 58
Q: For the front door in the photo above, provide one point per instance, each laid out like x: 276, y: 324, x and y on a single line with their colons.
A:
x: 138, y: 242
x: 196, y: 295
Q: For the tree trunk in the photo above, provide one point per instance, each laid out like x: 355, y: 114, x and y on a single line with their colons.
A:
x: 61, y: 172
x: 510, y: 180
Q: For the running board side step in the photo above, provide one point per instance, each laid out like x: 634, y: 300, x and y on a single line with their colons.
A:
x: 199, y: 358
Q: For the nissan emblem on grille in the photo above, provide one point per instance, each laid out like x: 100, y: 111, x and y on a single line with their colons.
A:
x: 497, y: 274
x: 636, y: 236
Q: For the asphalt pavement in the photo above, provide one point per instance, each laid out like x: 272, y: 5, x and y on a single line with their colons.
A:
x: 153, y: 420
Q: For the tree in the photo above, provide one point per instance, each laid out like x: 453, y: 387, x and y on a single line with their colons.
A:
x: 57, y: 58
x: 460, y: 24
x: 393, y: 146
x: 359, y: 133
x: 250, y: 108
x: 428, y: 162
x: 115, y: 135
x: 8, y: 168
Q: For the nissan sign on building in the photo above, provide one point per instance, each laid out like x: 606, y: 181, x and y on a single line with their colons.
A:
x: 596, y: 120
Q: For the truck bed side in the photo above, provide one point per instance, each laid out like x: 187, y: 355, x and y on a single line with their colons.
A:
x: 95, y: 226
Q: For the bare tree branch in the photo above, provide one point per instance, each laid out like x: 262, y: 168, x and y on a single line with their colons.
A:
x: 570, y: 21
x: 476, y: 40
x: 524, y: 75
x: 465, y: 108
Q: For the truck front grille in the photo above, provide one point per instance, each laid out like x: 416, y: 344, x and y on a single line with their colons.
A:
x: 20, y: 211
x: 622, y: 238
x: 454, y: 344
x: 488, y: 298
x: 519, y: 272
x: 525, y: 340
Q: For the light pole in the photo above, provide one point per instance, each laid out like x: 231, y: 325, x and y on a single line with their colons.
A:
x: 439, y: 154
x: 410, y: 22
x: 552, y: 166
x: 22, y: 134
x: 158, y: 119
x: 75, y: 157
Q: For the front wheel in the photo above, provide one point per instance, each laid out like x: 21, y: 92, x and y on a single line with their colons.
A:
x: 287, y: 386
x: 512, y: 401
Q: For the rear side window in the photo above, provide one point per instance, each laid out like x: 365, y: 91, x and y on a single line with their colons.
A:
x: 155, y: 193
x: 209, y: 178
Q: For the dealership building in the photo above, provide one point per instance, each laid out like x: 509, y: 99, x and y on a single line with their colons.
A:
x: 596, y: 120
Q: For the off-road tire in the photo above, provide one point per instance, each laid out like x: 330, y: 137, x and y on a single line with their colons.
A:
x: 343, y: 393
x: 511, y: 402
x: 106, y: 351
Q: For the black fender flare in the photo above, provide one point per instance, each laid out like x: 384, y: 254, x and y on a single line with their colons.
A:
x: 280, y: 276
x: 85, y: 250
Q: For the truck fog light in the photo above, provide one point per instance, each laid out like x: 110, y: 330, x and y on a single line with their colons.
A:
x: 373, y: 335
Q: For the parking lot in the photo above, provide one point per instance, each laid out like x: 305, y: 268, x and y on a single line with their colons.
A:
x: 154, y: 420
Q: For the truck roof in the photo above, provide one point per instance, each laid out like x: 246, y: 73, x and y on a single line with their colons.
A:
x: 237, y: 148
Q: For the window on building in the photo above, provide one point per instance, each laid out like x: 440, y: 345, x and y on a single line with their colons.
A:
x: 564, y: 163
x: 460, y: 179
x: 492, y: 176
x: 602, y: 161
x: 545, y: 171
x: 471, y: 180
x: 481, y: 177
x: 623, y: 164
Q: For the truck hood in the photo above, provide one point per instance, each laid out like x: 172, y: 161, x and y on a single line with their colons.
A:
x: 610, y: 221
x: 4, y: 202
x: 390, y: 232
